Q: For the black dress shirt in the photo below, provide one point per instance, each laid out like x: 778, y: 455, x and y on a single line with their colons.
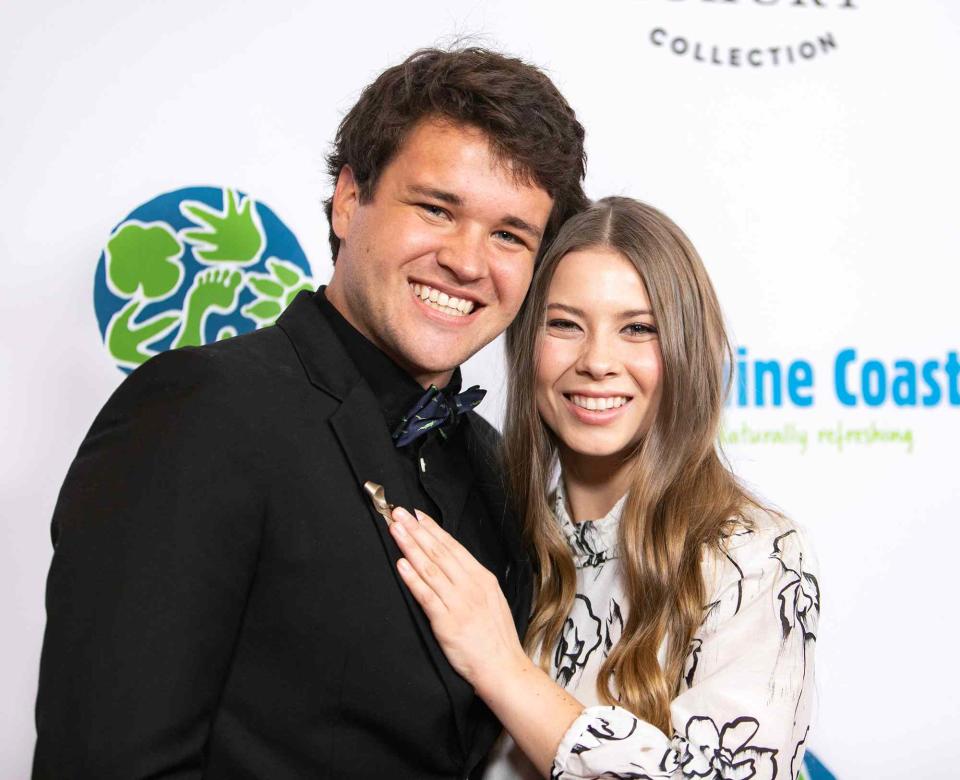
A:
x: 433, y: 460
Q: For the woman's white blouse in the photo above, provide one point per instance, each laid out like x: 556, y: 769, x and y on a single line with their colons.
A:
x: 745, y: 700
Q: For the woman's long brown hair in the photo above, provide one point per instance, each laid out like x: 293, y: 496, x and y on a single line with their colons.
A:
x: 682, y: 496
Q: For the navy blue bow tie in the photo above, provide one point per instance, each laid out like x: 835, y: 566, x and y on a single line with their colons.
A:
x: 435, y: 409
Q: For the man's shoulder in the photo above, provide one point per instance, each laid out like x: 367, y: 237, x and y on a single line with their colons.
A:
x: 233, y: 373
x: 263, y: 352
x: 258, y: 356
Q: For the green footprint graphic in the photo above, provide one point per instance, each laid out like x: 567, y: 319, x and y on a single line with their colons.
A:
x: 215, y: 289
x: 233, y: 235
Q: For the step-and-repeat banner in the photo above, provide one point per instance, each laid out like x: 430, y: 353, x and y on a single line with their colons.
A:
x: 162, y: 185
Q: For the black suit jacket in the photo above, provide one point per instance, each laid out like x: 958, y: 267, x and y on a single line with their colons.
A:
x: 223, y: 601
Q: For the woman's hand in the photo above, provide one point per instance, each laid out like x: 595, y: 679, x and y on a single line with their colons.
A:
x: 474, y: 627
x: 463, y: 601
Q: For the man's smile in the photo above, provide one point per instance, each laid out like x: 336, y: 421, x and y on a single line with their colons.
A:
x: 443, y: 302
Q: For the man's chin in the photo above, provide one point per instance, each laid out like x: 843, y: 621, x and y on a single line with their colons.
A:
x: 434, y: 367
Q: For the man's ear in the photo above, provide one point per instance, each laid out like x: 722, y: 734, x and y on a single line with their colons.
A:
x: 346, y: 198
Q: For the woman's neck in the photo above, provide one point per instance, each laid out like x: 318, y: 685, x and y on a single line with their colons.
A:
x: 593, y: 485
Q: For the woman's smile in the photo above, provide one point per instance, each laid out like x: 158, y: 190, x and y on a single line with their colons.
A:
x: 596, y: 410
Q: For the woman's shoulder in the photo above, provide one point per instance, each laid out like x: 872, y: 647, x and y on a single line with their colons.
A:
x: 756, y: 529
x: 757, y: 548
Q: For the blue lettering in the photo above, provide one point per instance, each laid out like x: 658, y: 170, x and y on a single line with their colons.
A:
x: 933, y: 397
x: 844, y: 358
x: 771, y: 368
x: 905, y: 383
x: 800, y: 377
x: 873, y: 383
x: 742, y: 376
x: 953, y: 371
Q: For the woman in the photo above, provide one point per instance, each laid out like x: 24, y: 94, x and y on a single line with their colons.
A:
x: 674, y: 618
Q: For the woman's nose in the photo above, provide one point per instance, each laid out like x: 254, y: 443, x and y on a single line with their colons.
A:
x: 598, y: 358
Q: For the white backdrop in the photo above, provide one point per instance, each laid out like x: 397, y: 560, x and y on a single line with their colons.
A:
x: 820, y: 191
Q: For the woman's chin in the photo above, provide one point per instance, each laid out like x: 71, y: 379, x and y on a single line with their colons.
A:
x: 601, y: 448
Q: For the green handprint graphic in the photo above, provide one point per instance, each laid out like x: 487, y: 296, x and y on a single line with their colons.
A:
x: 215, y: 289
x: 274, y: 291
x: 143, y: 263
x: 233, y: 235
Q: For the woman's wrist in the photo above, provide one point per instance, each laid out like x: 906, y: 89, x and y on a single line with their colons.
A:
x: 502, y: 675
x: 534, y: 709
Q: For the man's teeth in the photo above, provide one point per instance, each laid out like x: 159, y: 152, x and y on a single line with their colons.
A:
x: 458, y: 307
x: 598, y: 404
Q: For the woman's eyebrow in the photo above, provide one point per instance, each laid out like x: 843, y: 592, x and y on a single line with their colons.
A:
x: 580, y: 313
x: 568, y: 309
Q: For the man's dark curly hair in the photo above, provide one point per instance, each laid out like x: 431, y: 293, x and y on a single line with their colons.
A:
x: 524, y: 116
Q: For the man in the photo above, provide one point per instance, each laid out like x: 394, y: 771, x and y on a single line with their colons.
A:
x: 223, y: 600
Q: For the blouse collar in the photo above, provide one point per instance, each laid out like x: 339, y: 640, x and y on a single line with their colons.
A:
x: 592, y: 542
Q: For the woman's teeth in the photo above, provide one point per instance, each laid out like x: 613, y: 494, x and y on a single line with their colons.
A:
x: 598, y: 404
x: 458, y: 307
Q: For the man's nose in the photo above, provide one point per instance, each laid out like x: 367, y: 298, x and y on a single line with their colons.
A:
x: 464, y: 254
x: 598, y: 357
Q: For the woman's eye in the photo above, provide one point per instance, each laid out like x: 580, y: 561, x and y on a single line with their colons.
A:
x: 565, y: 325
x: 640, y: 329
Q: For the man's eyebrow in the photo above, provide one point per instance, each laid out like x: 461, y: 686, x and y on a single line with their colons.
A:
x: 523, y: 225
x: 580, y: 313
x: 442, y: 195
x: 455, y: 200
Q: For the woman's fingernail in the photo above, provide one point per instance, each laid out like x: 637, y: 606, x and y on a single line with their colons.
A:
x: 398, y: 529
x: 401, y: 514
x: 404, y: 566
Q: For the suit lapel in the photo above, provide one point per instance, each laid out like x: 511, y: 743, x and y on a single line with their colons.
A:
x: 359, y: 427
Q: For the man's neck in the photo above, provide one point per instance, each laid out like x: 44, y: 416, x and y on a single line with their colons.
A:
x: 593, y: 485
x: 423, y: 378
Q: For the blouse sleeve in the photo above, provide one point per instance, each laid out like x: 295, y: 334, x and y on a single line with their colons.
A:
x: 747, y: 691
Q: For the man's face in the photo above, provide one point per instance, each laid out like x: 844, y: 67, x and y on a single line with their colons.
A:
x: 446, y: 220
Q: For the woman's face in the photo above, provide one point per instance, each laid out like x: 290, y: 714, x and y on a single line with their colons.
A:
x: 599, y: 363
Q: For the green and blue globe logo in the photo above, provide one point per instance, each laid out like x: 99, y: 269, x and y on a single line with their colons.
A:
x: 813, y: 769
x: 191, y: 267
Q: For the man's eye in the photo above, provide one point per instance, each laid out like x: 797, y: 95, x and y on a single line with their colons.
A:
x: 640, y: 329
x: 433, y: 210
x: 510, y: 238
